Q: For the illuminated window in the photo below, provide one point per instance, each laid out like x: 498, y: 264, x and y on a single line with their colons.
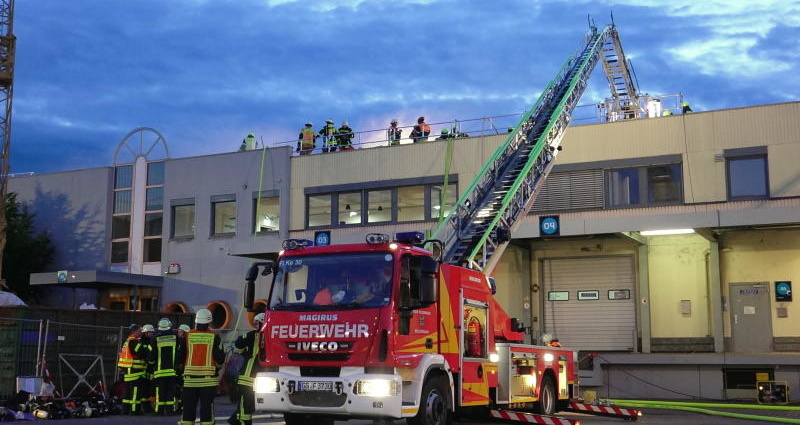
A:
x: 223, y: 217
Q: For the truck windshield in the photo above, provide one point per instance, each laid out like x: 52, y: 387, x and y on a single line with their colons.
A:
x: 332, y: 281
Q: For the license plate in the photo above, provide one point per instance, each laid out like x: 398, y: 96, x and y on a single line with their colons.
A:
x: 315, y: 386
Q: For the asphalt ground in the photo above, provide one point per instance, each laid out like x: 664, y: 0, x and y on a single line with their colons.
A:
x: 224, y: 408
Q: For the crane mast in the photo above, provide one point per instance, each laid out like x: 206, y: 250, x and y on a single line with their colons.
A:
x: 7, y: 55
x: 478, y: 228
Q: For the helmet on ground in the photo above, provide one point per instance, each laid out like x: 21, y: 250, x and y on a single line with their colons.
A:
x: 259, y: 318
x: 329, y: 121
x: 148, y: 328
x: 445, y: 131
x: 309, y: 124
x: 394, y: 121
x: 184, y: 328
x: 164, y: 324
x: 203, y: 316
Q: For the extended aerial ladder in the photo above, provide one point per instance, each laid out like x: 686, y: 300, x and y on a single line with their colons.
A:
x: 478, y: 228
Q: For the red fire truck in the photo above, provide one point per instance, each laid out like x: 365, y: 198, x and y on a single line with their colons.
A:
x: 408, y: 328
x: 398, y: 335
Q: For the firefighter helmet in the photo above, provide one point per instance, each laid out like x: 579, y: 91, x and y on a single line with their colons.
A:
x: 164, y: 324
x: 259, y: 318
x: 148, y: 328
x: 184, y: 328
x: 203, y: 316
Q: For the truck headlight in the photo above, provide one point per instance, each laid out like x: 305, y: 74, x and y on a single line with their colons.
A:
x: 376, y: 387
x: 266, y: 384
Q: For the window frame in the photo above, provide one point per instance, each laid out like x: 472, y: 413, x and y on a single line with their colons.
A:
x: 645, y: 186
x: 177, y: 203
x: 218, y: 200
x: 732, y: 158
x: 123, y: 185
x: 267, y: 194
x: 363, y: 193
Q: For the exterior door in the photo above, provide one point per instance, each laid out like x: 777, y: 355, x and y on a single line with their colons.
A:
x: 751, y: 321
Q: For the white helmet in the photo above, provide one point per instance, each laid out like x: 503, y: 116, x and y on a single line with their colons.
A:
x: 259, y: 318
x: 203, y: 316
x: 148, y: 328
x: 546, y: 339
x: 164, y: 324
x: 184, y: 328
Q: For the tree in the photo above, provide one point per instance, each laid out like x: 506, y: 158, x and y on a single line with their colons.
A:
x: 26, y: 251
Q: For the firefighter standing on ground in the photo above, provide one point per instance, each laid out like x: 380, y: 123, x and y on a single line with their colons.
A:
x: 248, y: 345
x: 132, y: 358
x: 148, y: 392
x: 168, y: 348
x: 204, y: 356
x: 182, y: 330
x: 307, y: 139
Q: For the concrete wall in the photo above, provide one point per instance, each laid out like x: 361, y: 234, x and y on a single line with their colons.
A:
x: 763, y: 256
x: 677, y: 273
x: 75, y: 209
x: 209, y: 269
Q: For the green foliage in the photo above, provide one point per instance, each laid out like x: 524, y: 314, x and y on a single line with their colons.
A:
x: 26, y: 251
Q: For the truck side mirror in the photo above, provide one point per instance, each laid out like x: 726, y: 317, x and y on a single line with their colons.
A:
x: 428, y: 288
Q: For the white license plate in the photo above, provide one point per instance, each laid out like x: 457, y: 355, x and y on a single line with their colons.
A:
x: 315, y: 386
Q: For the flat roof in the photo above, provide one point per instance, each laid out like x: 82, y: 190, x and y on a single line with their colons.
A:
x: 95, y: 279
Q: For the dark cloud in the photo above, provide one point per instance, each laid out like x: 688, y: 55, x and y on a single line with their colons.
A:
x: 204, y: 73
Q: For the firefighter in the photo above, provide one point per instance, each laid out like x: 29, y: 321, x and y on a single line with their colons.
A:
x: 328, y: 133
x: 421, y: 131
x: 249, y: 143
x: 182, y: 330
x: 307, y: 139
x: 248, y: 345
x: 344, y: 137
x: 168, y: 348
x: 147, y: 395
x: 132, y: 362
x: 685, y: 108
x: 393, y: 133
x: 204, y: 356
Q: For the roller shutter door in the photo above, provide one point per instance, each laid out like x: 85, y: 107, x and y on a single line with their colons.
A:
x: 601, y: 324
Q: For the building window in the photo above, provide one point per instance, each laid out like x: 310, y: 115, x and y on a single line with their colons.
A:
x: 399, y: 204
x: 747, y: 177
x: 183, y: 221
x: 349, y: 208
x: 439, y: 194
x: 266, y: 214
x: 379, y: 206
x: 319, y: 210
x: 645, y: 186
x: 411, y: 203
x: 154, y: 212
x: 224, y: 217
x: 121, y: 214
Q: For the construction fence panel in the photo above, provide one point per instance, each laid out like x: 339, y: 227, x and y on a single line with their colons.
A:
x: 19, y: 351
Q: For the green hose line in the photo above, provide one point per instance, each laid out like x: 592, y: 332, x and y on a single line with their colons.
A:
x: 710, y: 412
x: 712, y: 405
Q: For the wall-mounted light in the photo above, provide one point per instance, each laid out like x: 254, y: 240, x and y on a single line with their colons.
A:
x: 666, y: 232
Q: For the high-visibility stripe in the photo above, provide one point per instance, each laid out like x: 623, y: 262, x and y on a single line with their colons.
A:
x: 199, y: 352
x: 604, y: 410
x: 531, y: 418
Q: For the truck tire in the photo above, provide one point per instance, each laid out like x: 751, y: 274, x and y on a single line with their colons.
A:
x: 299, y: 419
x: 434, y: 407
x: 547, y: 397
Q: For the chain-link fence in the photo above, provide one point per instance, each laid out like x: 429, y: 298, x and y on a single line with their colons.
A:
x: 74, y: 350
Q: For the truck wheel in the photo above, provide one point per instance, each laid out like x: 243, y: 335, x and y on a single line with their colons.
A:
x: 433, y: 408
x: 547, y: 397
x: 298, y: 419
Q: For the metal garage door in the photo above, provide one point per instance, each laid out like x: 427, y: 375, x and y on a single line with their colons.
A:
x: 590, y: 302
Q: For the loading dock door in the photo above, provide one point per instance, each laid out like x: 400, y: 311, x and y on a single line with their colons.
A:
x: 589, y: 303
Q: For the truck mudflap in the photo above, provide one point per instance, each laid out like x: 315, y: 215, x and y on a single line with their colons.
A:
x: 533, y: 418
x: 604, y: 410
x: 339, y: 396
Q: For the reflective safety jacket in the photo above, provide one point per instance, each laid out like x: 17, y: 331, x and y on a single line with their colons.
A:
x: 248, y: 345
x: 167, y: 348
x: 307, y: 137
x: 132, y: 358
x: 203, y: 355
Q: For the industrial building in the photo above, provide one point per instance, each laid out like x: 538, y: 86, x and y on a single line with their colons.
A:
x: 663, y: 249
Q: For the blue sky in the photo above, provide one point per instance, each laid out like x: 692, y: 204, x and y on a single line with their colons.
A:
x: 204, y: 73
